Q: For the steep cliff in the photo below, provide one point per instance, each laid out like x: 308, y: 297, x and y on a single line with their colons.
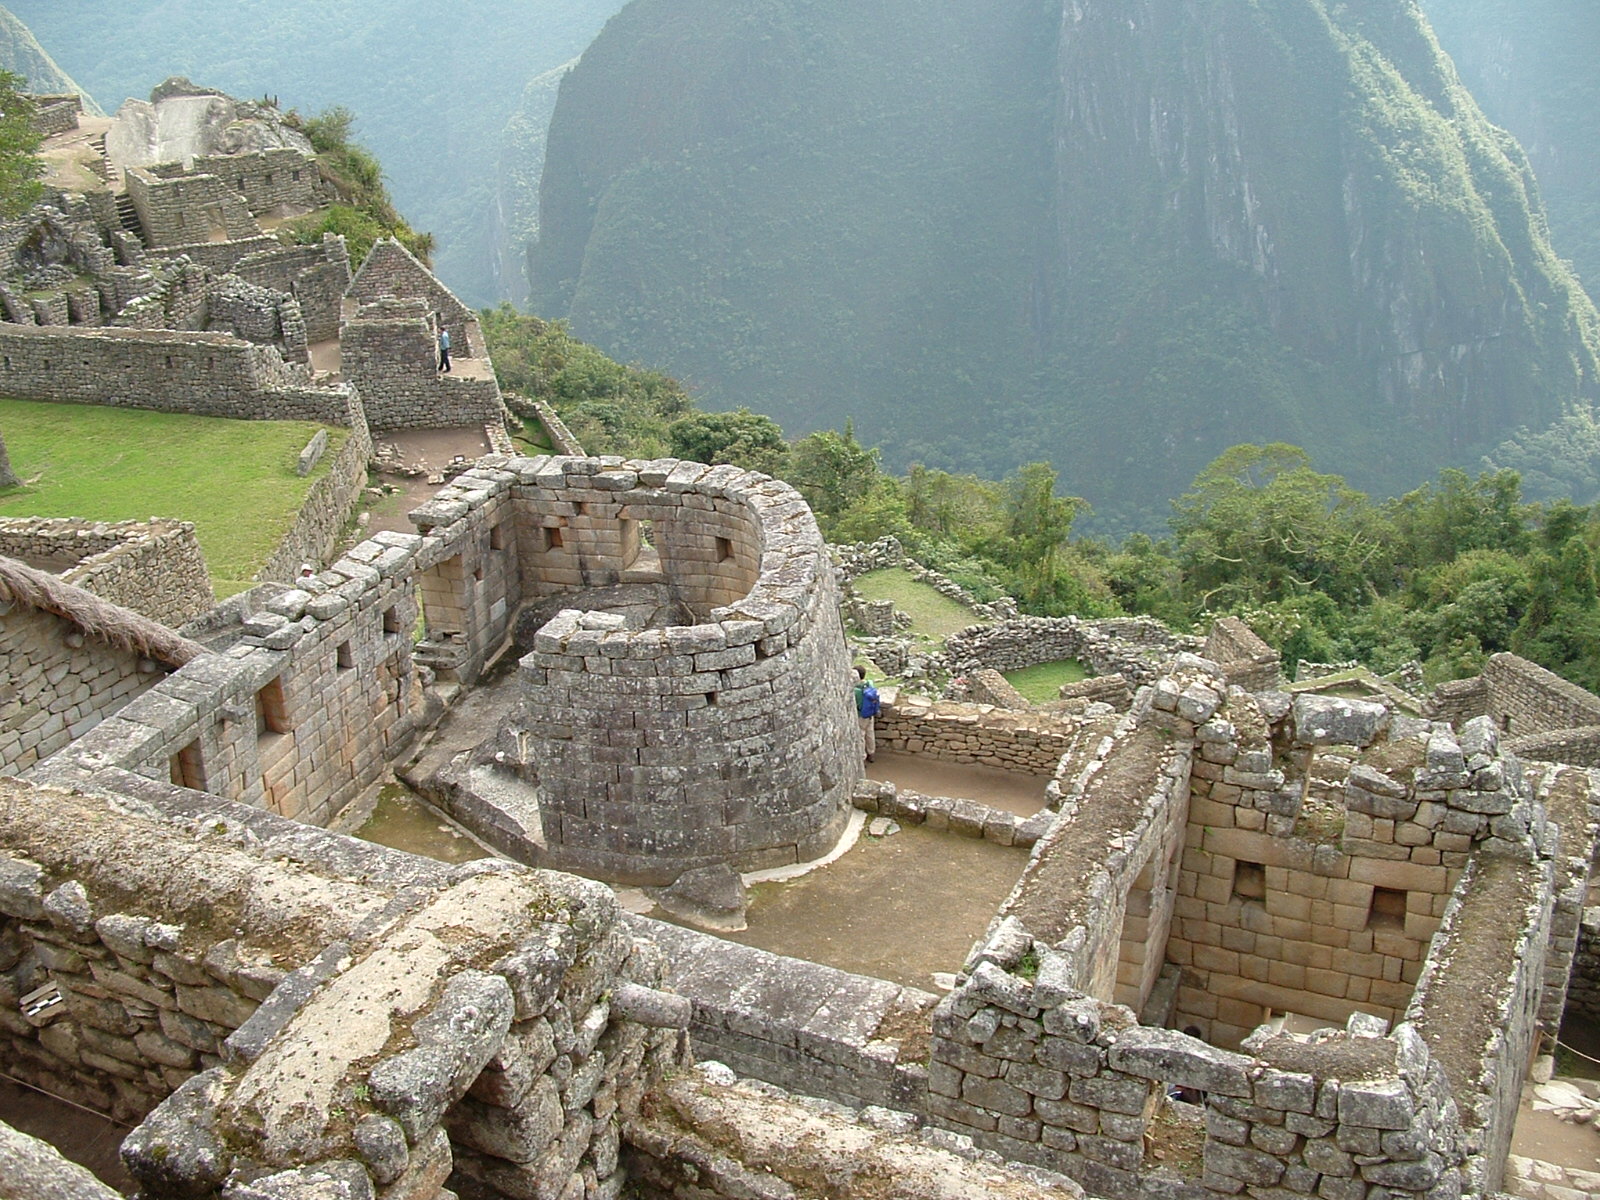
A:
x: 1531, y: 65
x: 21, y: 54
x: 1122, y: 234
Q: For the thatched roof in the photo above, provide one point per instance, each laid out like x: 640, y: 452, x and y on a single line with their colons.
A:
x: 111, y: 623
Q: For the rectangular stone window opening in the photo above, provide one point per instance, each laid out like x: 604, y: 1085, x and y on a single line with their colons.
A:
x: 272, y: 714
x: 724, y: 549
x: 391, y: 620
x: 497, y: 537
x: 1249, y: 881
x: 711, y: 697
x: 1388, y: 909
x: 345, y: 657
x: 186, y: 768
x: 552, y: 538
x: 477, y: 575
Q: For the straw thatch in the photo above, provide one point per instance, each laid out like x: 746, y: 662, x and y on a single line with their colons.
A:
x: 111, y: 623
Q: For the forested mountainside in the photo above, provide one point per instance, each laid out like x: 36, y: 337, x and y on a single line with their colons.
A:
x: 21, y: 54
x: 1122, y: 234
x: 1530, y: 64
x: 432, y: 87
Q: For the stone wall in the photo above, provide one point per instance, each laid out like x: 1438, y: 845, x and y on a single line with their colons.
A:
x: 178, y: 208
x: 300, y: 716
x: 316, y: 276
x: 801, y: 1025
x: 706, y: 1137
x: 1137, y: 647
x: 8, y: 477
x: 493, y: 1022
x: 393, y: 272
x: 389, y: 350
x: 1246, y: 660
x: 155, y: 567
x: 1031, y: 742
x: 1033, y: 1059
x: 56, y: 684
x: 1583, y: 995
x: 1527, y: 699
x: 1321, y: 899
x: 325, y: 513
x: 208, y: 374
x: 1481, y: 1026
x: 280, y: 178
x: 657, y: 750
x: 55, y: 114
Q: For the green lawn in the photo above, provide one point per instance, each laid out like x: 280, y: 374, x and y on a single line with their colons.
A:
x: 234, y: 479
x: 1039, y: 683
x: 932, y: 615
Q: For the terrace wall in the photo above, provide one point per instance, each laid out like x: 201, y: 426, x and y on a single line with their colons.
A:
x: 208, y: 374
x: 155, y: 568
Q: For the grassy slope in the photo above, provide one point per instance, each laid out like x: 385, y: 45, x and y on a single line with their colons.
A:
x: 234, y: 479
x: 1041, y: 682
x: 932, y: 615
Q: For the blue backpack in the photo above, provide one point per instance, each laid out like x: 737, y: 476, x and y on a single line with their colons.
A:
x: 866, y: 701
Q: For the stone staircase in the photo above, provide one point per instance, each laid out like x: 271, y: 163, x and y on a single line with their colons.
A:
x: 127, y: 215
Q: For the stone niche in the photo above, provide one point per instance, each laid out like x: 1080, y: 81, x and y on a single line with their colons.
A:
x: 642, y: 749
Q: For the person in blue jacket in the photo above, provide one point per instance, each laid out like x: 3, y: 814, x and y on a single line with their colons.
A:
x: 866, y: 701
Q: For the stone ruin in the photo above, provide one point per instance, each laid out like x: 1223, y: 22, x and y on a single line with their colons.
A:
x: 644, y: 749
x: 1364, y: 919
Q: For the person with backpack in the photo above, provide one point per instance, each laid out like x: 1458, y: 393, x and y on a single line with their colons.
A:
x: 866, y: 698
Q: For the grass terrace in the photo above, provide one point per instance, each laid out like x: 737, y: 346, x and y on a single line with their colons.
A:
x: 932, y: 615
x: 234, y: 479
x: 1040, y: 683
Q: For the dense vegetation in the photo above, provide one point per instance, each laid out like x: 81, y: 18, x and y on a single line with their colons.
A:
x: 1450, y: 572
x: 968, y: 233
x: 365, y: 213
x: 20, y: 167
x: 434, y: 87
x: 1530, y: 64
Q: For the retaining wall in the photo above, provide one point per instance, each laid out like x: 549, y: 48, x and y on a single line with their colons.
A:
x: 1031, y: 742
x: 1137, y: 647
x: 325, y: 513
x: 155, y: 567
x: 492, y: 1021
x: 208, y: 374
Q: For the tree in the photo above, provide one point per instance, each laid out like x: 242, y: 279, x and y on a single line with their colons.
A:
x: 740, y: 437
x: 1260, y: 525
x: 20, y: 167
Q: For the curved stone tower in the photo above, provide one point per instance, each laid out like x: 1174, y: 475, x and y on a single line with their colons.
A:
x: 652, y: 751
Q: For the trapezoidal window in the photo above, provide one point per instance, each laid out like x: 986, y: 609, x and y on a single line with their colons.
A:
x: 550, y: 538
x: 1388, y: 909
x: 1249, y: 881
x: 272, y: 714
x: 724, y: 549
x: 186, y: 768
x: 344, y: 657
x: 391, y: 620
x: 497, y: 536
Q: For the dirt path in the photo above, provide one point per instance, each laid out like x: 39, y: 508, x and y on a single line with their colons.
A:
x: 1012, y: 791
x: 430, y: 451
x: 900, y: 908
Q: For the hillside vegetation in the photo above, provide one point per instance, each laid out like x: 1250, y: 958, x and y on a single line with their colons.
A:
x: 1531, y: 65
x: 1122, y: 248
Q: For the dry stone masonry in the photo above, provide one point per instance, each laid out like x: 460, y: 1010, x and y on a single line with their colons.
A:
x: 644, y: 752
